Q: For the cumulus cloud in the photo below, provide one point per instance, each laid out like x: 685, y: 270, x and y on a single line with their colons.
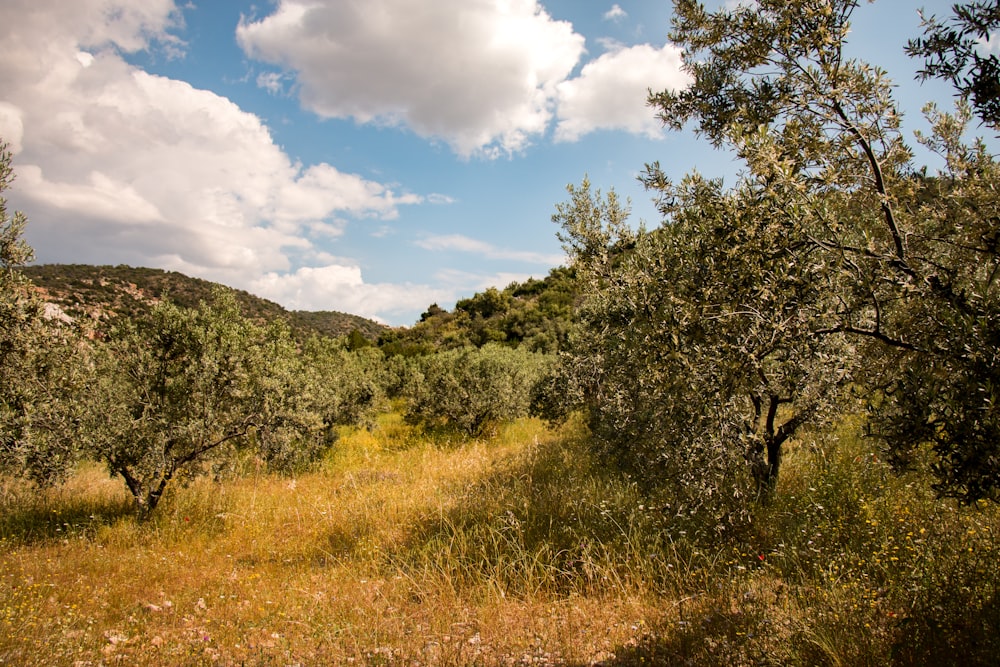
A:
x: 480, y: 75
x: 460, y: 243
x: 341, y: 287
x: 118, y: 165
x: 611, y: 91
x: 616, y: 13
x: 11, y: 126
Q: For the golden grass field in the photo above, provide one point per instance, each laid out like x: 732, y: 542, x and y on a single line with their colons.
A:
x: 411, y: 549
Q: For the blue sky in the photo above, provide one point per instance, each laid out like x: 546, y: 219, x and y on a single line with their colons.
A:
x: 368, y: 156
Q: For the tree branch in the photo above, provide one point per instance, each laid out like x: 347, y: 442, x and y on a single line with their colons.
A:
x: 868, y: 333
x: 873, y: 163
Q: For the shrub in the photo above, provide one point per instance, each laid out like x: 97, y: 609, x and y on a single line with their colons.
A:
x: 471, y: 389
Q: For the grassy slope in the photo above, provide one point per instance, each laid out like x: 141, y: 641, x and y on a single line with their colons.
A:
x: 404, y: 549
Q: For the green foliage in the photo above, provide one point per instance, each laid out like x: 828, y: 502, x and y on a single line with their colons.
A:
x: 694, y: 362
x: 350, y: 386
x: 42, y: 371
x: 536, y: 314
x: 472, y: 389
x: 953, y: 51
x: 941, y: 388
x: 43, y: 408
x: 356, y: 340
x: 182, y: 389
x: 862, y: 254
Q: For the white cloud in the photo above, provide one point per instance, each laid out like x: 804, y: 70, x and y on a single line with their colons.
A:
x: 11, y: 126
x: 480, y: 75
x: 616, y: 13
x: 990, y: 45
x: 341, y: 287
x: 115, y: 165
x: 466, y: 283
x: 272, y: 82
x: 460, y: 243
x: 440, y: 199
x: 610, y: 44
x: 611, y: 91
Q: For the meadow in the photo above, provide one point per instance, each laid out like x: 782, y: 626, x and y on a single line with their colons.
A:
x: 409, y: 547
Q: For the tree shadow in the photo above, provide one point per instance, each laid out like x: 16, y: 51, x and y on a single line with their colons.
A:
x: 962, y: 630
x: 48, y: 517
x: 716, y: 638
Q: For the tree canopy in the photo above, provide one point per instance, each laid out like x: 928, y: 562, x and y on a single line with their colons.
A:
x: 954, y: 50
x: 834, y: 263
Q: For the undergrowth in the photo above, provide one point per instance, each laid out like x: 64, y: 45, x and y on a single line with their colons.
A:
x: 415, y: 547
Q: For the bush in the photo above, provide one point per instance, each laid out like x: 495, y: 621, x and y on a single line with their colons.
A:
x: 471, y: 389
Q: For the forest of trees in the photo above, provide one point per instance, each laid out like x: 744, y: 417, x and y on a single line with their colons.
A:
x: 837, y: 276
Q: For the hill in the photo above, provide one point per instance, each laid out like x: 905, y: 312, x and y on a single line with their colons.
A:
x: 104, y: 293
x: 537, y: 314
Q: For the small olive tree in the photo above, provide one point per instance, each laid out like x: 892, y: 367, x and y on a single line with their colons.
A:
x: 182, y: 389
x: 472, y: 389
x: 348, y: 386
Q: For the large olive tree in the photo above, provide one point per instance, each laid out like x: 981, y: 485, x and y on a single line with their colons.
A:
x: 696, y: 359
x: 909, y: 259
x: 833, y: 261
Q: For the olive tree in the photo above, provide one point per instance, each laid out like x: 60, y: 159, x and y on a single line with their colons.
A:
x: 472, y: 389
x: 43, y: 369
x: 182, y: 389
x: 910, y: 258
x: 349, y: 386
x: 832, y: 262
x: 696, y: 359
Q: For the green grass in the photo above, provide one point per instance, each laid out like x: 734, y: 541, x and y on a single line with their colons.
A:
x: 409, y: 548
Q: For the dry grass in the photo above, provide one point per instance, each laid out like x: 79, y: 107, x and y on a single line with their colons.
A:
x: 269, y: 570
x: 409, y: 549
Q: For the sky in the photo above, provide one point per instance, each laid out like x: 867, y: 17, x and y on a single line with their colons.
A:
x: 366, y: 156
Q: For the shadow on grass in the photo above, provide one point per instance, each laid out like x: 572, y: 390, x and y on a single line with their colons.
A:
x: 549, y: 518
x: 56, y: 517
x: 931, y: 636
x: 959, y: 631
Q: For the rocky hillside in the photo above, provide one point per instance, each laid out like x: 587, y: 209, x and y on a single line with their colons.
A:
x: 104, y: 293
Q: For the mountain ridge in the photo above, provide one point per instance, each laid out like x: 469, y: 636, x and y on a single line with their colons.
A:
x: 103, y: 293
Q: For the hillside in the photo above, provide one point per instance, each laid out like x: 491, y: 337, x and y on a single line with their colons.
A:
x: 537, y: 314
x: 104, y: 293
